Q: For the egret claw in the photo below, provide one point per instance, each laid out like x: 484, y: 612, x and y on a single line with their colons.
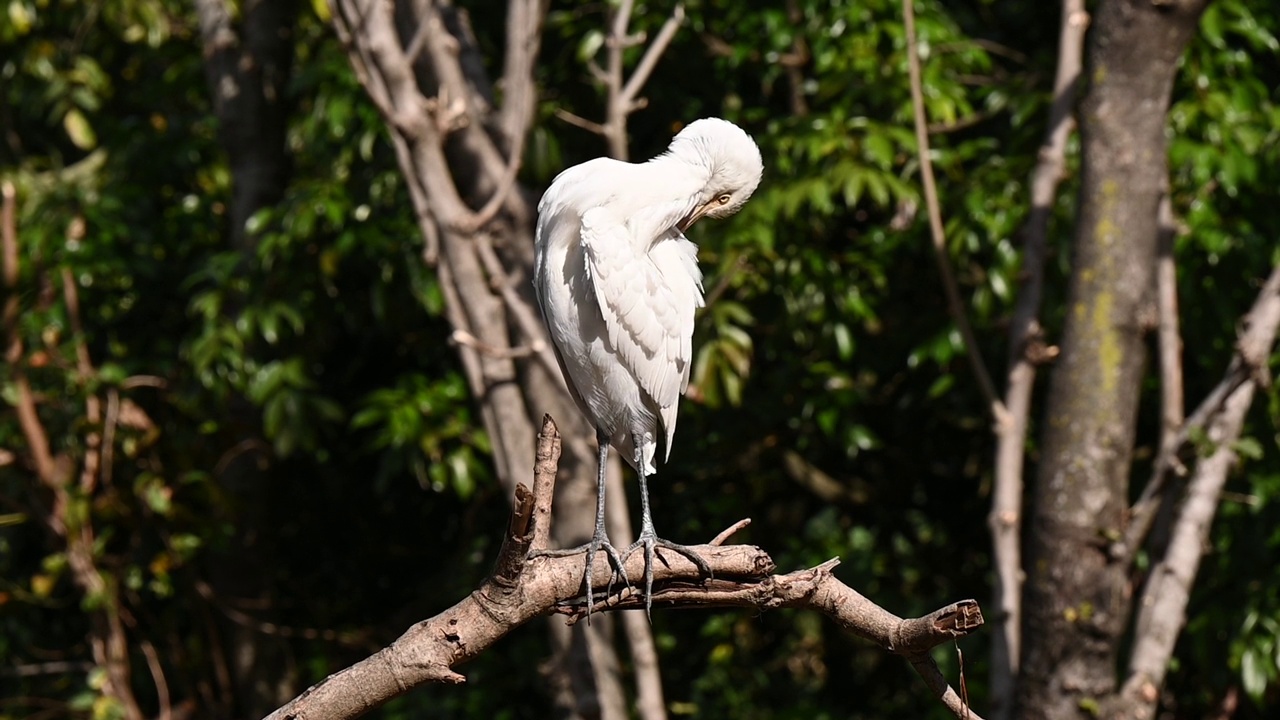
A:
x: 651, y: 542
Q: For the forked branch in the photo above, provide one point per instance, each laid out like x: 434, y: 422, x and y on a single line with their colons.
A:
x: 623, y: 92
x: 1162, y: 609
x: 525, y: 585
x: 1248, y: 365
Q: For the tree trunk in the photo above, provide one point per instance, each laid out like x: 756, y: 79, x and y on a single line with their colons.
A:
x: 1026, y: 351
x: 1077, y: 593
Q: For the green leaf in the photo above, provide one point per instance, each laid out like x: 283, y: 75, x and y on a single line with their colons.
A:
x: 79, y: 130
x: 1248, y: 447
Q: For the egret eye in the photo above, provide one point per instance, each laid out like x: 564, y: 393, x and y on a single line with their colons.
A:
x: 723, y: 199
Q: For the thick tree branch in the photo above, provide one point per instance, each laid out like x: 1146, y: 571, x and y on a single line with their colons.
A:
x: 525, y: 585
x: 1026, y: 349
x: 248, y: 52
x: 954, y: 304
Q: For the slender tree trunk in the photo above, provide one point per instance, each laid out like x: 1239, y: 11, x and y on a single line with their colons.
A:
x: 1026, y: 350
x: 1077, y: 596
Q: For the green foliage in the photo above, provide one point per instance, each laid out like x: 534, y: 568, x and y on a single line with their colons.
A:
x: 322, y: 353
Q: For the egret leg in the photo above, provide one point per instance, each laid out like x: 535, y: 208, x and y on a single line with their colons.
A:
x: 599, y: 538
x: 649, y: 540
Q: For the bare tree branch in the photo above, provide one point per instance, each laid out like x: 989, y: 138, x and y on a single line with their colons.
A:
x: 795, y: 60
x: 1026, y: 349
x: 525, y: 585
x: 1163, y: 605
x: 1171, y: 393
x: 157, y: 677
x: 523, y: 314
x: 577, y: 121
x: 954, y: 304
x: 524, y: 37
x: 640, y: 75
x: 1249, y: 364
x: 621, y: 91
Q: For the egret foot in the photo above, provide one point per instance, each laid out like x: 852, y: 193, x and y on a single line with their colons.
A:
x: 650, y: 541
x: 598, y: 542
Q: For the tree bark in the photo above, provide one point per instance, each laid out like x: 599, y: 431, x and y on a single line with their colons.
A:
x: 1077, y: 596
x: 1027, y: 349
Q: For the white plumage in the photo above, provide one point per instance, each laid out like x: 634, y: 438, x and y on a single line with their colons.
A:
x: 618, y: 284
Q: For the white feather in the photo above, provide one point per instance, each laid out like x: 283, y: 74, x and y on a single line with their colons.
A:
x: 618, y: 283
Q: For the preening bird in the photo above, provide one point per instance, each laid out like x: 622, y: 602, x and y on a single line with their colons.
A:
x: 618, y: 284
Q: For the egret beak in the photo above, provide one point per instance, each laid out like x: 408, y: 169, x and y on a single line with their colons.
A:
x: 693, y: 216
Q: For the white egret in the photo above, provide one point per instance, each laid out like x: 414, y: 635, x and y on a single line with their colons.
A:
x: 618, y: 284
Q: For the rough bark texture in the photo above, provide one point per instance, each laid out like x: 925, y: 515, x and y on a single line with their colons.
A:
x: 1076, y: 601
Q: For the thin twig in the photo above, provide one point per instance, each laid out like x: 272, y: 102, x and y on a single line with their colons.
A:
x: 1171, y: 395
x: 84, y: 367
x: 157, y: 677
x: 578, y: 121
x: 729, y: 532
x: 59, y: 667
x: 275, y: 629
x: 640, y: 75
x: 462, y: 337
x: 109, y: 434
x: 954, y: 304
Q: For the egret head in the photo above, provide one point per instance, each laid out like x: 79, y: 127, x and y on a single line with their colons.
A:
x: 731, y: 161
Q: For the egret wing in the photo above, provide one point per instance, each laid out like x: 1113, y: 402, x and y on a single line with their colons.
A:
x: 650, y: 325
